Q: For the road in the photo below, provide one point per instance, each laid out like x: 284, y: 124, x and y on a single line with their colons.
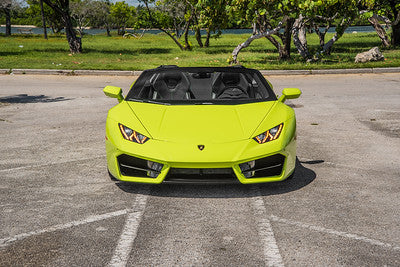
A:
x: 58, y: 206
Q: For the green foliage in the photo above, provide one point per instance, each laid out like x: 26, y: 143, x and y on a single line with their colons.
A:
x: 53, y: 19
x: 101, y: 17
x: 213, y: 14
x: 18, y: 15
x: 121, y: 13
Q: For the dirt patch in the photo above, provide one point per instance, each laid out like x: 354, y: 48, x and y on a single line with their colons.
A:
x: 385, y: 122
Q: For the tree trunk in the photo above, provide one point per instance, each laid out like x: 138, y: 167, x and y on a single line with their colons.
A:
x: 197, y: 32
x: 186, y: 34
x: 396, y: 34
x: 43, y: 20
x: 346, y: 22
x: 207, y: 42
x: 173, y: 38
x: 380, y: 31
x: 275, y: 43
x: 8, y: 20
x: 75, y: 43
x: 198, y: 36
x: 299, y: 37
x: 283, y: 53
x: 321, y: 35
x: 287, y: 40
x: 108, y: 30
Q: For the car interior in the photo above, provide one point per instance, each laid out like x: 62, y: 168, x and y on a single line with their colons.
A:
x: 180, y: 85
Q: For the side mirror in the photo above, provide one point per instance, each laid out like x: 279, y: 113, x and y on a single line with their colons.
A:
x: 289, y: 93
x: 114, y: 92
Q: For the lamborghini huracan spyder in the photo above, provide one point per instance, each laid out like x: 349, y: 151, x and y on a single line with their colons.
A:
x: 201, y: 124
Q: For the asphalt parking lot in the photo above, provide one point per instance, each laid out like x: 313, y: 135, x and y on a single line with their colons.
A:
x: 58, y: 206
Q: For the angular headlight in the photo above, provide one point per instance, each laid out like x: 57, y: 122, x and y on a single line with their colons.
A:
x: 269, y: 135
x: 132, y: 135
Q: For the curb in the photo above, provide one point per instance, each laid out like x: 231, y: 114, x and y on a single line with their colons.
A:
x: 137, y: 73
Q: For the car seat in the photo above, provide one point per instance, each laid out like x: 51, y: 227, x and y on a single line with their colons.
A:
x: 171, y: 86
x: 230, y: 85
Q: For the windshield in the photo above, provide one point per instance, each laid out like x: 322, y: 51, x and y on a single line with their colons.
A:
x: 201, y: 86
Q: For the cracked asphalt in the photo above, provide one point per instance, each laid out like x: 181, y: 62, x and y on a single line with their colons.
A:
x: 58, y: 206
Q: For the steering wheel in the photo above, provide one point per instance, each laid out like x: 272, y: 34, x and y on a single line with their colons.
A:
x: 233, y: 92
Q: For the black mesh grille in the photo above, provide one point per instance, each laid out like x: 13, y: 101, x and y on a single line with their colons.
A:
x: 265, y: 167
x: 201, y: 175
x: 132, y: 166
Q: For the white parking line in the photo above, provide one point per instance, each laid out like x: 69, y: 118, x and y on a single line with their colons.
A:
x: 4, y: 242
x: 48, y: 164
x: 271, y: 250
x: 335, y: 232
x: 128, y: 235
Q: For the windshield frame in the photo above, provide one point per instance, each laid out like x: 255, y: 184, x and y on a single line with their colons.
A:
x: 271, y: 95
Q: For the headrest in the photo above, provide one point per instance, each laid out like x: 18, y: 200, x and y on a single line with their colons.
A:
x: 230, y: 78
x: 172, y: 79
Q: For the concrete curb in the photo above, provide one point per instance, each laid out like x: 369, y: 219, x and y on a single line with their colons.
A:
x: 137, y: 73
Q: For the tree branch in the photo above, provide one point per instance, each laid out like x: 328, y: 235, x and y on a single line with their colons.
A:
x: 251, y: 39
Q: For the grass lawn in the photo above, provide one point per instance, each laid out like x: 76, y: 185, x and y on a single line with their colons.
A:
x: 117, y: 53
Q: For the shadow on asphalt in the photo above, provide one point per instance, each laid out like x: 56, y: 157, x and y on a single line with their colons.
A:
x: 24, y: 98
x: 303, y: 176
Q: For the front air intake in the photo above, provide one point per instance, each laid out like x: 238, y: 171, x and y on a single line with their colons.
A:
x: 264, y: 167
x: 201, y: 175
x: 137, y: 167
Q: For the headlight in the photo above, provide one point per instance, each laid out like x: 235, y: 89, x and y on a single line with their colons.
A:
x: 269, y: 135
x: 132, y: 135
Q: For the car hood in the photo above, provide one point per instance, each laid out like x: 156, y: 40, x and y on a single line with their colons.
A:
x: 201, y: 123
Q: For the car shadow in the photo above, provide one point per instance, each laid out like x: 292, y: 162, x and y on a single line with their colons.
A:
x: 302, y: 177
x: 24, y: 98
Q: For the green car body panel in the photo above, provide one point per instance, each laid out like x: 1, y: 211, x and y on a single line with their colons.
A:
x: 225, y: 133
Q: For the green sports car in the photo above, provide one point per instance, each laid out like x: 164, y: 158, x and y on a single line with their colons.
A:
x: 201, y: 125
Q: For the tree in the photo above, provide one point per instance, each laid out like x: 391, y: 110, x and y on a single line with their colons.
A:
x: 52, y: 18
x: 267, y: 18
x: 43, y: 19
x: 61, y: 7
x: 81, y: 11
x: 120, y: 13
x: 375, y: 21
x: 213, y: 17
x: 160, y: 18
x: 7, y: 7
x: 319, y: 14
x: 101, y: 17
x: 387, y: 11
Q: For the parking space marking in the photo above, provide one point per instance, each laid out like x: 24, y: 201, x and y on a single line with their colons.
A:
x: 335, y: 232
x: 128, y: 235
x: 4, y: 242
x: 49, y: 164
x: 270, y: 247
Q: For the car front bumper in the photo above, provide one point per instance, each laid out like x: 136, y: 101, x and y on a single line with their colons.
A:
x: 249, y: 165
